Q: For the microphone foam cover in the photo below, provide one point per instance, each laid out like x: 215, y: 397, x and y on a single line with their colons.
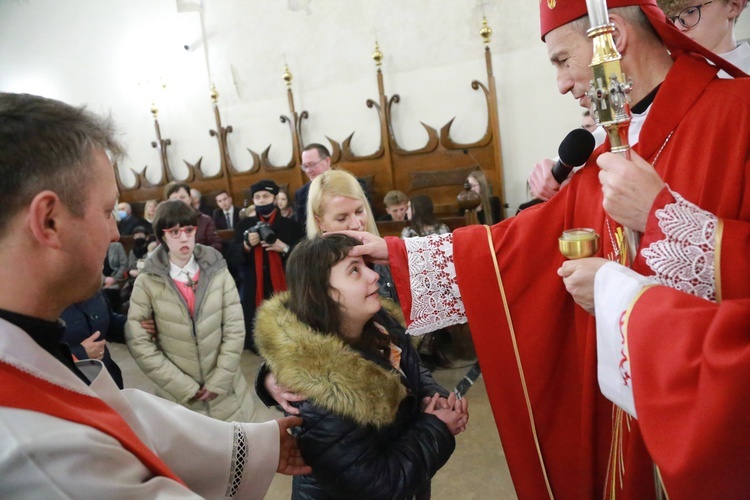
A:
x: 576, y: 148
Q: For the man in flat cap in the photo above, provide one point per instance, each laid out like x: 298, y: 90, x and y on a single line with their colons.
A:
x: 536, y: 346
x: 259, y: 251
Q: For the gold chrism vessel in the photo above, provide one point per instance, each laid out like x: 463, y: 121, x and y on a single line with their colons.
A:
x: 579, y: 243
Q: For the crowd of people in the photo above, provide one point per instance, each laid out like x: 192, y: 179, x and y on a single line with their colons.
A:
x: 632, y: 381
x: 187, y: 321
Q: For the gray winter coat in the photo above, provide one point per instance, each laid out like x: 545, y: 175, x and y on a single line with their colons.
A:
x: 190, y: 352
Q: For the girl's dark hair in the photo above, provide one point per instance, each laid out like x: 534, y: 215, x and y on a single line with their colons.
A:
x: 421, y: 213
x: 172, y: 213
x: 308, y: 275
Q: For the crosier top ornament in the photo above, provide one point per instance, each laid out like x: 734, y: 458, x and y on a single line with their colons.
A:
x: 608, y: 94
x: 609, y: 89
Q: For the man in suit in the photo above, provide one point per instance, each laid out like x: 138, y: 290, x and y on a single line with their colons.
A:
x: 227, y: 215
x: 315, y: 160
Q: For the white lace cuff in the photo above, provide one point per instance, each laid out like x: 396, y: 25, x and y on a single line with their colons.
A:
x: 436, y: 300
x: 239, y: 457
x: 684, y: 259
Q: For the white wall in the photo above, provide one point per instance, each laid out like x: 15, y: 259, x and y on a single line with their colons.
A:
x: 113, y: 54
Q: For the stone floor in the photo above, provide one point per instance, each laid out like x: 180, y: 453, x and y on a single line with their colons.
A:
x: 477, y: 469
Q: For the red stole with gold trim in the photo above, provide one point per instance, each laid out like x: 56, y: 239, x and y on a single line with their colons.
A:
x: 27, y: 392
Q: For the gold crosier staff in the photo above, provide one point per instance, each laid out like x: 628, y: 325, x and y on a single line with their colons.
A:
x: 610, y: 104
x: 608, y: 93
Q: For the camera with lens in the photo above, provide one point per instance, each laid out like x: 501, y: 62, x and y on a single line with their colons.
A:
x: 264, y: 231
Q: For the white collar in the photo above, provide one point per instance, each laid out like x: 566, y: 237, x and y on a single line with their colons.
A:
x: 738, y: 53
x: 182, y: 274
x: 739, y: 56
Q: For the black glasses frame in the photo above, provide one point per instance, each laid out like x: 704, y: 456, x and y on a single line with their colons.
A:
x: 683, y: 12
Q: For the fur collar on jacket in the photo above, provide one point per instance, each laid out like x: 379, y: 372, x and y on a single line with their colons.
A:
x: 332, y: 374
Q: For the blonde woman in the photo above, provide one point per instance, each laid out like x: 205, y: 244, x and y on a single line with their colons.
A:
x: 337, y: 202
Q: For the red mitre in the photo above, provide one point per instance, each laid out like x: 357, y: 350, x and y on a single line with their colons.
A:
x: 556, y: 13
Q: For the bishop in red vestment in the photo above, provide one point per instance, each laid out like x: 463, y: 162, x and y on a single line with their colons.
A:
x: 536, y: 347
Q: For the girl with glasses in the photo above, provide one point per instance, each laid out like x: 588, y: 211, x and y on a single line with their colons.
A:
x: 188, y: 291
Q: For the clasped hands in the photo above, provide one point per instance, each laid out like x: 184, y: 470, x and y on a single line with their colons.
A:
x: 204, y: 394
x: 453, y: 412
x: 93, y: 346
x: 629, y: 189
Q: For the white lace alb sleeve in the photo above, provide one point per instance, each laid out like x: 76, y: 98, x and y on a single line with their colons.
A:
x: 615, y: 287
x: 220, y: 459
x: 436, y: 300
x: 684, y: 259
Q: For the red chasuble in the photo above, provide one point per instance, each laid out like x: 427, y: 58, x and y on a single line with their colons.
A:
x: 691, y: 384
x: 21, y: 390
x: 536, y: 347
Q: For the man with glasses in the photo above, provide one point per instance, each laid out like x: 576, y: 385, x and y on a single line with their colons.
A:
x: 588, y: 121
x: 315, y: 160
x: 711, y: 24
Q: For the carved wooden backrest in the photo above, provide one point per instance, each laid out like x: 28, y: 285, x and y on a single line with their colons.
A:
x: 437, y: 169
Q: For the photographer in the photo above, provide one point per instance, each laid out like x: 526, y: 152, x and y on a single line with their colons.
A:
x: 259, y: 251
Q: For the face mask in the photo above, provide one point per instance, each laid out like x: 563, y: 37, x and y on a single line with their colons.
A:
x: 140, y: 247
x: 122, y: 214
x: 265, y: 210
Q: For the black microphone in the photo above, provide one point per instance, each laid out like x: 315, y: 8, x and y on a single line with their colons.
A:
x: 574, y: 150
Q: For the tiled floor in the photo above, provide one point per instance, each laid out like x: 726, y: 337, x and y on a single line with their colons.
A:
x: 477, y: 469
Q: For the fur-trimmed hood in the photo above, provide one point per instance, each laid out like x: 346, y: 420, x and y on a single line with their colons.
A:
x: 332, y: 374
